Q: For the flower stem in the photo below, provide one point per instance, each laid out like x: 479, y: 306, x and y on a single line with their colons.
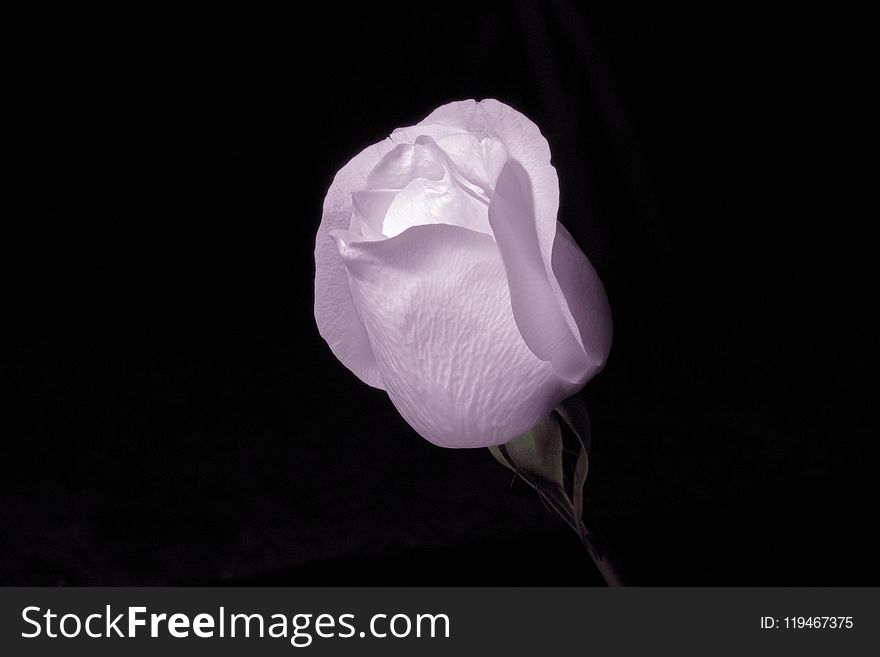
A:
x: 607, y: 567
x: 596, y: 546
x: 573, y: 412
x: 555, y: 464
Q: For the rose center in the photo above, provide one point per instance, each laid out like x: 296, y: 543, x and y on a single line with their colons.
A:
x: 448, y: 181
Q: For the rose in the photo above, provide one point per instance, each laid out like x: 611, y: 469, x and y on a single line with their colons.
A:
x: 443, y: 277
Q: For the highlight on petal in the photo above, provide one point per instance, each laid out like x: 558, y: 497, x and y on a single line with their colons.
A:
x: 335, y: 313
x: 363, y: 230
x: 371, y: 206
x: 436, y: 307
x: 419, y: 183
x: 425, y: 201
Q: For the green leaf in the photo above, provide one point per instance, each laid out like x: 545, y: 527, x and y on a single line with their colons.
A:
x: 537, y: 453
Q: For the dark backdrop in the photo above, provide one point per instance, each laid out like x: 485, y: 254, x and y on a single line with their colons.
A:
x: 174, y: 416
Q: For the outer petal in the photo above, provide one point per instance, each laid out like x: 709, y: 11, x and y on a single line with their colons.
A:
x: 527, y: 146
x: 436, y: 306
x: 335, y: 313
x: 537, y: 312
x: 586, y: 298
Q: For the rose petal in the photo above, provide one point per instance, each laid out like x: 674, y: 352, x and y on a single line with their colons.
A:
x: 434, y: 202
x: 405, y: 162
x: 371, y: 205
x: 586, y: 298
x: 436, y: 306
x: 526, y: 145
x: 409, y: 134
x: 479, y: 160
x: 534, y: 304
x: 363, y: 230
x: 335, y: 314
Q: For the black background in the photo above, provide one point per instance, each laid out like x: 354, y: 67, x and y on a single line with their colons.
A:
x: 174, y: 417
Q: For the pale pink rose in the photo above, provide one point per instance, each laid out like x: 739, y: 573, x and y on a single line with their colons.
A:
x: 443, y: 277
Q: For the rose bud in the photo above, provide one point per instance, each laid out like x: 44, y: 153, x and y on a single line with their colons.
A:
x: 444, y: 278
